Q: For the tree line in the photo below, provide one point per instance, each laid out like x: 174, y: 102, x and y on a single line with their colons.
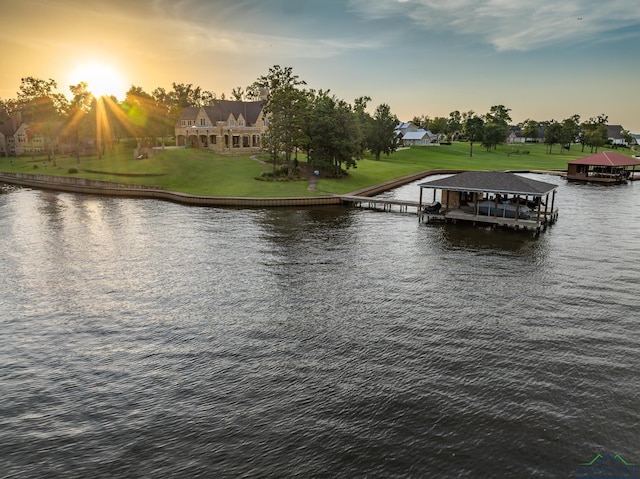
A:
x: 83, y: 118
x: 333, y: 133
x: 492, y: 128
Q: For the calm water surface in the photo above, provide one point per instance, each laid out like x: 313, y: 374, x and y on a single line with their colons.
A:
x: 148, y: 339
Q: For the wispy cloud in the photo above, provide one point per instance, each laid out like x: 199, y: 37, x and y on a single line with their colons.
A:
x: 511, y: 24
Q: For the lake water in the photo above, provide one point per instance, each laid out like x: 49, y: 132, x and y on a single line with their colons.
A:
x: 142, y: 338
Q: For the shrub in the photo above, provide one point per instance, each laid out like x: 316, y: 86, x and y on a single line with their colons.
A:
x: 73, y: 170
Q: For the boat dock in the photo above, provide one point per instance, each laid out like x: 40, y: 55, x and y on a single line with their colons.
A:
x: 538, y: 222
x: 382, y: 204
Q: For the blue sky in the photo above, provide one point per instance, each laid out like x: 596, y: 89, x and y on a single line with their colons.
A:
x: 543, y: 59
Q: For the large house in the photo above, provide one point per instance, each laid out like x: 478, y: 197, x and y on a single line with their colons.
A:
x: 224, y: 126
x: 614, y: 134
x: 409, y: 134
x: 13, y: 137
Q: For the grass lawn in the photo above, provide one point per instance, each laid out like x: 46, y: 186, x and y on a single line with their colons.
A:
x: 203, y: 173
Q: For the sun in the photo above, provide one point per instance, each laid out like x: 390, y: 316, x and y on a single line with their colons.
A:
x: 101, y: 79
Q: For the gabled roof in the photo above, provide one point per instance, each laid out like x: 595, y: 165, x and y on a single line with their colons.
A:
x: 491, y: 182
x: 10, y: 126
x: 219, y: 110
x: 606, y: 158
x: 417, y: 135
x: 613, y: 131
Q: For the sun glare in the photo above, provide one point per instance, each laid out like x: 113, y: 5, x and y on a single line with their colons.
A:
x: 101, y: 79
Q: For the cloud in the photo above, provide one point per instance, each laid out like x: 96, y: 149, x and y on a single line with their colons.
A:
x: 510, y: 24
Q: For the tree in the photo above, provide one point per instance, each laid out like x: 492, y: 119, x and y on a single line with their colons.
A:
x: 593, y: 127
x: 496, y: 126
x: 552, y: 134
x: 77, y: 118
x: 238, y: 93
x: 454, y: 123
x: 492, y: 135
x: 363, y: 123
x: 382, y: 138
x: 570, y: 131
x: 285, y: 105
x: 334, y: 135
x: 421, y: 121
x: 185, y: 95
x: 42, y: 109
x: 498, y: 114
x: 139, y: 107
x: 473, y: 127
x: 530, y: 129
x: 596, y: 137
x: 438, y: 126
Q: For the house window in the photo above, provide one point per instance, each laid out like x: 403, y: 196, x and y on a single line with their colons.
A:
x: 232, y: 123
x: 241, y: 122
x: 203, y: 122
x: 183, y: 122
x: 21, y: 138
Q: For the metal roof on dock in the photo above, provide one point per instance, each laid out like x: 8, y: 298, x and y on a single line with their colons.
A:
x: 491, y: 181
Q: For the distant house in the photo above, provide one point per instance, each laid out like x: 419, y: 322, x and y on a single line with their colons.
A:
x: 14, y: 140
x: 614, y: 135
x: 419, y: 137
x: 515, y: 135
x: 224, y: 126
x: 403, y: 128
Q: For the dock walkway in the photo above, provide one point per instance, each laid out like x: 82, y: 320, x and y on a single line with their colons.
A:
x: 384, y: 204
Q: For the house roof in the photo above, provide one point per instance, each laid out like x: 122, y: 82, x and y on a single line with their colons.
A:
x: 606, y: 158
x: 491, y: 182
x: 613, y: 131
x: 219, y: 110
x: 10, y: 126
x: 416, y: 135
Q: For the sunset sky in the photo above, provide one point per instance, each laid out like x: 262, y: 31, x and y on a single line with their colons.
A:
x: 544, y: 59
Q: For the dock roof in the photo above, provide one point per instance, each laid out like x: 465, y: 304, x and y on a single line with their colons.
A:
x: 491, y: 182
x: 606, y: 158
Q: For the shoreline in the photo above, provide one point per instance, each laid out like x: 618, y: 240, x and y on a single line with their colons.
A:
x: 105, y: 188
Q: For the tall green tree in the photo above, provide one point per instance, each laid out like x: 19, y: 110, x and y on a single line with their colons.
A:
x: 438, y: 126
x: 382, y: 137
x: 286, y: 108
x: 496, y: 126
x: 498, y: 114
x: 553, y: 135
x: 77, y: 117
x: 454, y: 124
x: 334, y: 134
x: 492, y: 135
x: 531, y: 129
x: 363, y: 123
x: 473, y: 127
x: 42, y: 109
x: 596, y: 138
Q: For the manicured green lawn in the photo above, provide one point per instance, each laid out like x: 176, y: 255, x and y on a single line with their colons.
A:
x: 203, y: 173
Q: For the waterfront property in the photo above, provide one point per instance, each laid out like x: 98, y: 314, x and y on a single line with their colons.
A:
x: 491, y: 197
x: 223, y: 126
x: 606, y: 167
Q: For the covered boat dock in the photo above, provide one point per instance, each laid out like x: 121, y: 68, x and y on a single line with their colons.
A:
x: 606, y: 167
x: 490, y: 198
